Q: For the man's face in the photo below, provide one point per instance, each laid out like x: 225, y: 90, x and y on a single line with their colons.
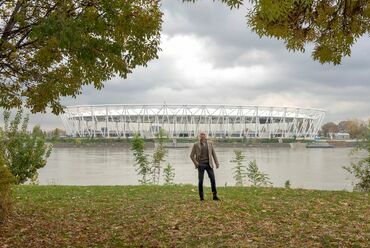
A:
x: 203, y: 136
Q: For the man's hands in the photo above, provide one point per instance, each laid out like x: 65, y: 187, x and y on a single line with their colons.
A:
x: 217, y: 165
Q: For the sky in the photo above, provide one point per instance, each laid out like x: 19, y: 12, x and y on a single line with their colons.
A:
x: 210, y: 55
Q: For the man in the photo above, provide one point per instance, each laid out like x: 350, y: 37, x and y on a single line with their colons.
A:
x: 201, y: 155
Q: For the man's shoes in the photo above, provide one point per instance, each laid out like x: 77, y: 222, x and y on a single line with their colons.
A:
x: 216, y: 198
x: 201, y: 195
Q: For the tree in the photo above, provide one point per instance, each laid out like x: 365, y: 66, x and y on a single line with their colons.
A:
x: 356, y: 128
x: 329, y: 127
x: 159, y: 155
x: 255, y: 176
x: 50, y: 48
x: 141, y: 159
x: 240, y: 170
x: 332, y: 26
x: 23, y: 152
x: 361, y: 169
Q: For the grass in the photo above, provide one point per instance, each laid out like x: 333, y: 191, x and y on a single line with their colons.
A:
x: 172, y: 216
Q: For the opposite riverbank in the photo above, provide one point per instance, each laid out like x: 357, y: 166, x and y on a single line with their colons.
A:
x: 172, y: 216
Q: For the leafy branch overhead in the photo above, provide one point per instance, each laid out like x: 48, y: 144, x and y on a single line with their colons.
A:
x: 50, y: 48
x: 331, y: 26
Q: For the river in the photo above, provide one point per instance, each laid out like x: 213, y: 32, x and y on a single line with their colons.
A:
x: 319, y: 168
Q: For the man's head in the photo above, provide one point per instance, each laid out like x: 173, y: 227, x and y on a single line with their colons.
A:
x: 203, y: 136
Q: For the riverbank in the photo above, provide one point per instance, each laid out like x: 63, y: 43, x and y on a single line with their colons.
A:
x: 157, y: 216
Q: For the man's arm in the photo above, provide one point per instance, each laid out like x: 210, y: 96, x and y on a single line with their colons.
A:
x: 192, y: 156
x: 215, y: 157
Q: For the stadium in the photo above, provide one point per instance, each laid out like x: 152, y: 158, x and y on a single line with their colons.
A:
x: 124, y: 120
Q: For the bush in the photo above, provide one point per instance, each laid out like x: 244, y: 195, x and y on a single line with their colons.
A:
x: 6, y: 182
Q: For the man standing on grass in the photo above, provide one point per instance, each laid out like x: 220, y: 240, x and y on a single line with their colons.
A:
x: 201, y: 155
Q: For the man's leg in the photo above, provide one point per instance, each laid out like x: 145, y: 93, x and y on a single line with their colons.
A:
x: 211, y: 176
x: 200, y: 181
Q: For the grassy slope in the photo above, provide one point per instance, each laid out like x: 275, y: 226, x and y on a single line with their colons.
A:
x: 61, y: 216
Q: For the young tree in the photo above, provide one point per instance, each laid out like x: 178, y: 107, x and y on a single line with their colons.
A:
x: 24, y: 153
x: 256, y: 177
x: 169, y: 174
x: 240, y: 170
x: 143, y: 165
x: 159, y: 155
x: 49, y: 49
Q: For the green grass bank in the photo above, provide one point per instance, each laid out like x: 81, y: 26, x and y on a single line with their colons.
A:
x: 172, y: 216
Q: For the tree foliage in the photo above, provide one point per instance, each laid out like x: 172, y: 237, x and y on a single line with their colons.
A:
x: 50, y: 48
x: 329, y: 127
x: 24, y: 153
x: 142, y: 162
x: 356, y: 128
x: 331, y: 26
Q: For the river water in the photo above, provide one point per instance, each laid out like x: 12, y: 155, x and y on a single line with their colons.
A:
x: 316, y: 168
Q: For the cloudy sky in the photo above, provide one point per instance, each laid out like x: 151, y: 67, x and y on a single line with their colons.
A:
x: 209, y: 55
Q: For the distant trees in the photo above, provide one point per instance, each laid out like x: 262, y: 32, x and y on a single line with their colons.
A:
x: 329, y: 127
x: 355, y: 127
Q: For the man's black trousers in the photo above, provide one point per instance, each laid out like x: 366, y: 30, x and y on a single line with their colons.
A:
x: 206, y: 167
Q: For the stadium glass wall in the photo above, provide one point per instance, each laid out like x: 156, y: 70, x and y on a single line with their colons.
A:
x: 187, y: 120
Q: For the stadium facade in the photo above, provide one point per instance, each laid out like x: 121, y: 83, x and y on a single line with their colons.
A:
x: 124, y: 120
